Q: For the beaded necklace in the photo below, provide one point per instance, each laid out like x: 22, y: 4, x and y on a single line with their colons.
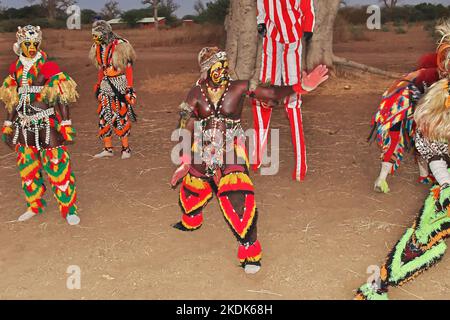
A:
x: 219, y: 104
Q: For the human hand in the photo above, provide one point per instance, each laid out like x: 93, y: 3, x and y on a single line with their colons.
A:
x: 179, y: 174
x: 312, y: 80
x: 262, y: 30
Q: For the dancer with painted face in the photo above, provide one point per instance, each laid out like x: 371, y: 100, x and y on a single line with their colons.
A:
x: 423, y: 245
x: 114, y: 58
x: 218, y: 162
x: 36, y: 95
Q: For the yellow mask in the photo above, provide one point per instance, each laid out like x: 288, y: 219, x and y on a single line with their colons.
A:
x: 30, y: 48
x: 98, y: 39
x: 219, y: 73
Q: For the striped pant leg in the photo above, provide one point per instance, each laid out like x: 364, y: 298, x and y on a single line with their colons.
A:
x: 292, y: 70
x: 270, y: 72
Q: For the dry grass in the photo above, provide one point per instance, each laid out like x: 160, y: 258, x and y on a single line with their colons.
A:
x: 166, y: 83
x: 195, y: 34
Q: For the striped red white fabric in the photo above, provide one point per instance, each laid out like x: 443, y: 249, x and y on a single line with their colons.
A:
x: 286, y: 20
x: 281, y: 65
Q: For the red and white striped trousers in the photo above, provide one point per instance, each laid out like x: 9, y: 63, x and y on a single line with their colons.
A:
x: 281, y: 65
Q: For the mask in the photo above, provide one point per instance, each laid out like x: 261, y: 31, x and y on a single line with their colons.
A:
x: 30, y: 48
x: 443, y: 54
x: 98, y: 39
x: 219, y: 73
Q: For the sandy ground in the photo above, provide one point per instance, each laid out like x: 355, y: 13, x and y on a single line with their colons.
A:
x: 319, y: 236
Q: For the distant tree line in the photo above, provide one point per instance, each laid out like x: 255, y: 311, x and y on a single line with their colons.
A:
x: 406, y: 13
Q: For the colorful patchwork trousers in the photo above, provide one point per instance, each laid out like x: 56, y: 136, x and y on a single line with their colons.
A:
x: 56, y: 163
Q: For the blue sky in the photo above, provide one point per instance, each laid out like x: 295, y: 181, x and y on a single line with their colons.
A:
x: 186, y: 6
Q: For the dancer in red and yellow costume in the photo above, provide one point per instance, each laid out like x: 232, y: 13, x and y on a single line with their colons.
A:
x: 36, y: 95
x: 393, y: 125
x: 218, y: 163
x: 114, y: 58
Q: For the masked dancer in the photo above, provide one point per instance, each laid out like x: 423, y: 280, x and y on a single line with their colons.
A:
x: 218, y: 162
x: 36, y: 95
x: 114, y: 58
x: 423, y: 245
x: 393, y: 125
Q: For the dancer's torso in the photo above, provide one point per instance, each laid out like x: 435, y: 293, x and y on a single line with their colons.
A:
x: 35, y: 107
x: 220, y: 126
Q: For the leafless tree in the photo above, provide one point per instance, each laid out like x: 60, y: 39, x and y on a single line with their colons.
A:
x: 52, y: 6
x: 390, y: 3
x: 111, y: 10
x: 199, y: 7
x: 169, y: 5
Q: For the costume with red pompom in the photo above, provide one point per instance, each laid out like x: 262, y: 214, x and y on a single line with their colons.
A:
x: 36, y: 94
x: 394, y: 125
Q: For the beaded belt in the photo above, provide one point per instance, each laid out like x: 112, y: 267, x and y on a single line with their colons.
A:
x: 31, y: 123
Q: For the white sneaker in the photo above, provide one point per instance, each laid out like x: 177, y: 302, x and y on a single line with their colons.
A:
x: 126, y: 154
x: 252, y: 269
x: 104, y: 154
x: 26, y: 216
x: 73, y: 220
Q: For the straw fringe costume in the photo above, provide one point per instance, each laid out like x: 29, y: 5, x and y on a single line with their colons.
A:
x: 36, y: 94
x: 114, y: 58
x: 422, y: 245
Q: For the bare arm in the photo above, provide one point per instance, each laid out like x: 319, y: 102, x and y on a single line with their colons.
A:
x: 308, y: 83
x: 64, y: 111
x: 188, y: 116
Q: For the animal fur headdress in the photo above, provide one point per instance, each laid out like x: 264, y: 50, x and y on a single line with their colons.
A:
x: 103, y: 29
x: 432, y: 114
x: 443, y: 51
x: 27, y: 33
x: 208, y: 57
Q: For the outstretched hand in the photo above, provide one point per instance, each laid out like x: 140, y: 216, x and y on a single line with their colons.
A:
x: 179, y: 174
x: 315, y: 78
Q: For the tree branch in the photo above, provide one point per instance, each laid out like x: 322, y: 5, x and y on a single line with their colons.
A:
x: 356, y: 65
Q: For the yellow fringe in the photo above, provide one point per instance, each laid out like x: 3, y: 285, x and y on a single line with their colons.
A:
x: 66, y: 91
x: 197, y: 183
x: 10, y: 97
x: 234, y: 178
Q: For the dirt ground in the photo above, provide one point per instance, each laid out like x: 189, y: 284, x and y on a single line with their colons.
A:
x: 319, y: 237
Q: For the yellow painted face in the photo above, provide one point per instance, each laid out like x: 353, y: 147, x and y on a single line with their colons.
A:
x: 219, y: 73
x: 30, y: 48
x: 98, y: 39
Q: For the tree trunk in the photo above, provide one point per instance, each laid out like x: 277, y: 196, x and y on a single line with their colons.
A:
x: 155, y: 14
x: 242, y: 38
x: 244, y: 46
x: 320, y: 48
